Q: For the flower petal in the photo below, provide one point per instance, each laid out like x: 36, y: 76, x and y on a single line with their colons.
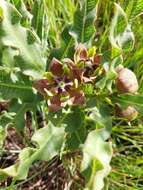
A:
x: 80, y: 53
x: 42, y: 84
x: 56, y: 67
x: 54, y: 104
x: 76, y: 72
x: 97, y: 59
x: 88, y: 79
x: 69, y: 62
x: 77, y: 97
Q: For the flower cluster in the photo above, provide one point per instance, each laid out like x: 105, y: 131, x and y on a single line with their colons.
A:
x: 62, y: 84
x: 90, y: 59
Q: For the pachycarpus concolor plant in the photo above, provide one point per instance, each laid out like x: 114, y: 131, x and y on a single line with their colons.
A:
x: 62, y: 84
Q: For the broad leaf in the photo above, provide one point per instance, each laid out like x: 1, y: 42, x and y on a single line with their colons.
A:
x: 49, y: 141
x: 96, y: 158
x: 74, y: 122
x: 21, y: 89
x: 101, y: 116
x: 121, y: 35
x: 76, y: 138
x: 72, y: 119
x: 21, y: 96
x: 83, y: 27
x: 29, y: 56
x: 20, y: 109
x: 67, y: 46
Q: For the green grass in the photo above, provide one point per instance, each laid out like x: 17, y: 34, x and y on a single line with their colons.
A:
x: 127, y: 161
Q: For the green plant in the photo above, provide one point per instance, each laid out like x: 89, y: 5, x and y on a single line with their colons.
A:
x: 70, y: 78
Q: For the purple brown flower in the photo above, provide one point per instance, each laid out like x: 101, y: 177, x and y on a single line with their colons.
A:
x: 90, y: 60
x: 63, y: 85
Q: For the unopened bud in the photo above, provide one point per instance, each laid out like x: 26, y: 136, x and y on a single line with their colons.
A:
x: 129, y: 113
x: 126, y: 81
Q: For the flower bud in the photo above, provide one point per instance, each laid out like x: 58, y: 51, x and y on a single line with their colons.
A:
x: 126, y: 81
x: 129, y: 113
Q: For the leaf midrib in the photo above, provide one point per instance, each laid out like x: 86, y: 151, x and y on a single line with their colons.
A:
x: 15, y: 86
x: 67, y: 48
x: 84, y: 20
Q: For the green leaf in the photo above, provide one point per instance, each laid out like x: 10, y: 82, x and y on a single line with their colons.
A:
x: 16, y: 113
x: 74, y: 120
x: 1, y: 14
x: 49, y: 141
x: 30, y: 57
x: 101, y: 116
x: 20, y: 109
x: 131, y: 100
x: 101, y: 84
x: 21, y: 96
x: 52, y: 145
x: 121, y: 35
x: 76, y: 139
x: 83, y: 27
x: 67, y: 46
x: 8, y: 54
x: 96, y: 158
x: 21, y: 89
x: 109, y: 76
x: 67, y: 43
x: 89, y: 89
